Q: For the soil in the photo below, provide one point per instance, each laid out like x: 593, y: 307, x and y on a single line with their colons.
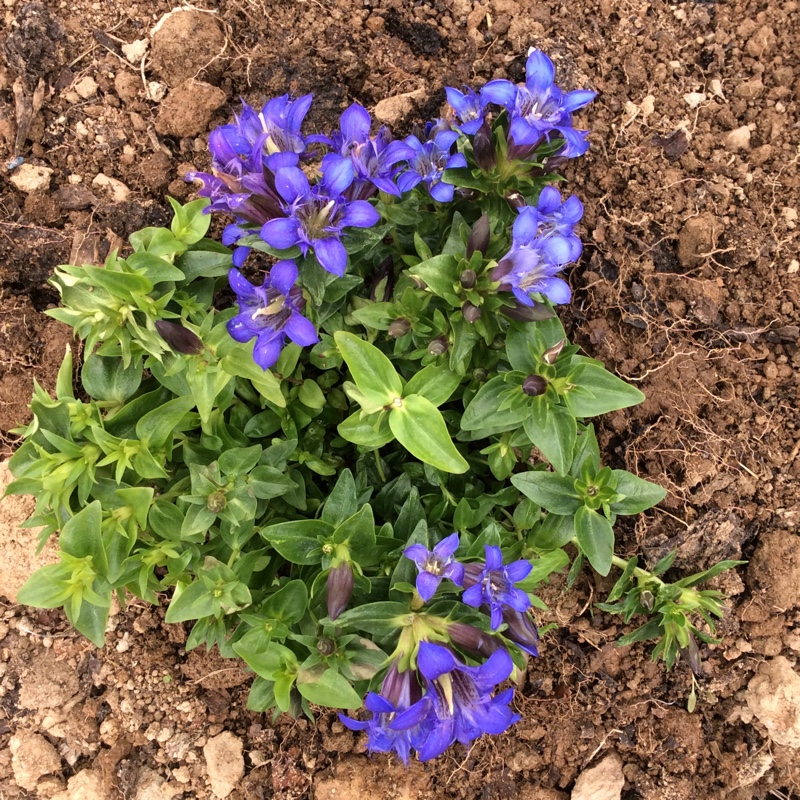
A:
x: 689, y: 286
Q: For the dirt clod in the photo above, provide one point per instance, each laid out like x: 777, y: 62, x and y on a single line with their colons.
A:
x: 604, y: 781
x: 32, y: 757
x: 225, y: 763
x: 187, y: 109
x: 773, y: 695
x: 31, y: 178
x: 185, y: 44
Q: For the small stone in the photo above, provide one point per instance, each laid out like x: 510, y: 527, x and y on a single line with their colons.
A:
x: 86, y: 784
x: 375, y: 23
x: 188, y: 108
x: 392, y: 110
x: 225, y: 763
x: 185, y: 43
x: 773, y: 695
x: 749, y: 90
x: 115, y: 190
x: 738, y: 139
x: 31, y: 178
x: 135, y: 51
x: 86, y: 87
x: 794, y: 267
x: 693, y: 99
x: 156, y: 91
x: 601, y: 782
x: 74, y: 197
x: 127, y: 86
x: 32, y: 757
x: 696, y: 240
x: 762, y: 42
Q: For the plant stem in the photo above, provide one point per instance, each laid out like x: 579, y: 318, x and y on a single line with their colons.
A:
x: 379, y: 465
x: 620, y: 562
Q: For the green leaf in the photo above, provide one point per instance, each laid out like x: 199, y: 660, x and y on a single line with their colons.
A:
x: 107, y: 379
x: 484, y: 409
x: 462, y: 176
x: 379, y: 618
x: 166, y: 519
x: 91, y: 620
x: 440, y: 275
x: 543, y: 566
x: 196, y: 264
x: 81, y: 536
x: 435, y: 383
x: 288, y: 604
x: 596, y: 539
x: 421, y: 429
x: 608, y: 393
x: 621, y: 586
x: 552, y: 492
x: 155, y: 268
x: 269, y: 662
x: 342, y: 502
x: 520, y: 348
x: 638, y: 494
x: 553, y: 430
x: 371, y: 369
x: 239, y: 460
x: 650, y: 630
x: 358, y: 533
x: 360, y: 430
x: 555, y: 531
x: 311, y: 395
x: 190, y: 224
x: 48, y: 587
x: 194, y: 602
x: 330, y: 689
x: 158, y: 426
x: 298, y: 541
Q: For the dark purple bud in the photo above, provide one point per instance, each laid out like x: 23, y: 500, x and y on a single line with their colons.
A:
x: 339, y: 589
x: 479, y: 374
x: 478, y: 238
x: 216, y: 502
x: 472, y: 574
x: 516, y: 200
x: 534, y: 385
x: 692, y: 655
x: 399, y: 327
x: 438, y: 346
x: 483, y: 148
x: 472, y: 640
x: 535, y: 313
x: 501, y: 270
x: 521, y: 630
x: 383, y: 281
x: 401, y: 689
x: 468, y: 277
x: 523, y: 152
x: 550, y: 356
x: 471, y: 313
x: 180, y: 339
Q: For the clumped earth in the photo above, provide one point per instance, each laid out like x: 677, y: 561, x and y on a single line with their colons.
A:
x: 688, y: 287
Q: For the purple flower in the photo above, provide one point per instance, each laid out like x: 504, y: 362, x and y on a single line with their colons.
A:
x: 458, y: 702
x: 373, y: 158
x: 534, y: 260
x: 428, y: 160
x: 314, y: 216
x: 399, y: 691
x: 277, y: 126
x: 469, y: 107
x: 521, y: 629
x: 539, y: 109
x: 433, y: 565
x: 492, y: 584
x: 270, y: 312
x: 559, y: 219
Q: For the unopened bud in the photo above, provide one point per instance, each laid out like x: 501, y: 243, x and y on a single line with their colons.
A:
x: 326, y: 646
x: 521, y: 630
x: 472, y: 640
x: 479, y: 236
x: 468, y: 277
x: 216, y: 502
x: 399, y: 327
x: 383, y: 281
x: 516, y: 200
x: 647, y: 599
x: 471, y: 313
x: 483, y: 148
x: 551, y: 355
x: 339, y: 589
x: 692, y: 655
x: 180, y: 339
x: 438, y: 346
x: 535, y: 313
x: 534, y: 385
x: 479, y: 374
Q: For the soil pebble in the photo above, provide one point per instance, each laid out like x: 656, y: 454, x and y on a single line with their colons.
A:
x: 604, y: 781
x: 32, y: 757
x: 738, y: 139
x: 394, y: 109
x: 773, y: 695
x: 185, y: 43
x: 31, y: 178
x: 115, y: 190
x: 775, y: 568
x: 696, y: 240
x: 49, y: 684
x: 187, y: 109
x: 85, y: 785
x: 225, y: 763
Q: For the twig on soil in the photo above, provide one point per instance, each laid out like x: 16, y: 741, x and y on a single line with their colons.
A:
x: 600, y: 747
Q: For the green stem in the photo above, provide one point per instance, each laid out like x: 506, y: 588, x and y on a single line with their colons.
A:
x: 379, y: 465
x: 620, y: 562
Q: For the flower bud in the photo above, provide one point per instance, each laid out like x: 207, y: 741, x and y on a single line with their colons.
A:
x: 516, y: 200
x: 468, y: 277
x: 180, y: 339
x: 647, y: 599
x: 471, y: 313
x: 383, y: 281
x: 326, y: 646
x: 479, y: 374
x: 479, y: 237
x: 472, y: 640
x: 521, y: 630
x: 534, y: 385
x: 339, y: 589
x: 438, y: 346
x: 472, y: 573
x: 692, y: 655
x: 399, y: 327
x: 535, y: 313
x: 483, y: 148
x: 552, y: 353
x: 216, y: 502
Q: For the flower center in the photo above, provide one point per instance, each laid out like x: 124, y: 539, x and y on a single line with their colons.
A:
x: 315, y: 215
x: 434, y: 565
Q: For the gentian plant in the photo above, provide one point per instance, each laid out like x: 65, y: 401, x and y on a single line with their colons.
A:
x: 348, y: 450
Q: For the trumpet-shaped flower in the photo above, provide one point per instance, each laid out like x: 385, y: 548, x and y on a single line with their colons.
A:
x: 469, y: 107
x: 271, y: 312
x: 434, y: 565
x: 427, y: 162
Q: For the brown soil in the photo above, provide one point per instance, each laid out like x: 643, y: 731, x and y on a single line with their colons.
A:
x: 688, y: 287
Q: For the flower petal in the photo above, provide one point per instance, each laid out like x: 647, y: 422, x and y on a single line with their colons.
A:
x: 557, y: 249
x: 539, y: 72
x: 526, y: 225
x: 331, y: 255
x: 412, y: 716
x: 427, y: 584
x: 240, y: 255
x: 455, y: 572
x: 355, y: 123
x: 291, y: 183
x: 353, y: 724
x: 433, y: 660
x: 283, y: 275
x: 417, y: 553
x: 281, y: 233
x: 408, y: 180
x: 549, y: 200
x: 239, y: 330
x: 577, y: 99
x: 518, y: 570
x: 494, y: 558
x: 360, y: 214
x: 240, y: 285
x: 447, y: 546
x: 337, y: 174
x: 500, y: 92
x: 301, y: 330
x: 268, y: 349
x: 473, y: 596
x: 442, y: 192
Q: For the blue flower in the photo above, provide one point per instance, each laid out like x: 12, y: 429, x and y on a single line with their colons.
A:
x: 277, y: 126
x: 492, y: 584
x: 539, y: 109
x: 399, y: 691
x: 428, y: 160
x: 532, y: 264
x: 373, y: 158
x: 436, y: 564
x: 559, y: 219
x: 458, y: 703
x: 315, y: 216
x: 469, y: 107
x: 270, y: 312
